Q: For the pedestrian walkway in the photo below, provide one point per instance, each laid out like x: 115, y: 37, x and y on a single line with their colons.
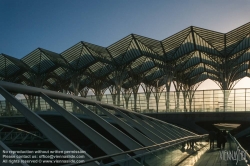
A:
x: 177, y: 155
x: 217, y: 157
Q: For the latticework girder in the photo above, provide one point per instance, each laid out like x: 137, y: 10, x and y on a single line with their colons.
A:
x: 189, y: 56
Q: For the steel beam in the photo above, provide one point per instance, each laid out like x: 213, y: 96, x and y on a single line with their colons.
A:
x: 104, y: 144
x: 119, y: 135
x: 166, y: 128
x: 170, y: 129
x: 158, y: 128
x: 136, y: 134
x: 147, y: 132
x: 57, y: 138
x: 149, y: 129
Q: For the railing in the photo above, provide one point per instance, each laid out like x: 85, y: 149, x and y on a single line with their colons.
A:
x: 155, y: 157
x: 202, y: 101
x: 16, y: 135
x: 163, y: 132
x: 240, y: 148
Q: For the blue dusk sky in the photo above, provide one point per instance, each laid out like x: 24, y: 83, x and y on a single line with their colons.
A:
x: 56, y: 25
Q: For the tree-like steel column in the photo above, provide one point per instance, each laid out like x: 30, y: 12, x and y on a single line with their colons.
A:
x: 113, y: 93
x: 147, y: 90
x: 126, y: 94
x: 135, y: 93
x: 167, y: 79
x: 75, y: 82
x: 84, y: 92
x: 119, y: 75
x: 177, y: 86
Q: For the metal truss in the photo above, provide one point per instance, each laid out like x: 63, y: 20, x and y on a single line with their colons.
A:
x: 195, y: 53
x: 143, y: 131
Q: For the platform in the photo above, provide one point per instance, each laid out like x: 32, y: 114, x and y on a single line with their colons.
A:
x: 212, y: 157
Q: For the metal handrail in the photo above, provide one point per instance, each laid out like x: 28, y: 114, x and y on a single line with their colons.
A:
x: 21, y: 130
x: 172, y: 142
x: 239, y: 145
x: 12, y: 87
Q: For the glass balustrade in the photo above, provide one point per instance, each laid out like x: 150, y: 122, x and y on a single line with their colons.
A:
x: 202, y: 101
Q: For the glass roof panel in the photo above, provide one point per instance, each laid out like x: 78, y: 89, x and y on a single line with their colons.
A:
x: 234, y: 37
x: 151, y: 44
x: 243, y: 58
x: 186, y: 47
x: 38, y: 61
x: 194, y: 53
x: 84, y: 60
x: 55, y: 58
x: 62, y: 73
x: 195, y: 59
x: 204, y: 46
x: 148, y: 52
x: 98, y: 51
x: 131, y: 53
x: 72, y: 53
x: 7, y: 68
x: 172, y: 43
x: 120, y: 47
x: 244, y: 44
x: 214, y: 39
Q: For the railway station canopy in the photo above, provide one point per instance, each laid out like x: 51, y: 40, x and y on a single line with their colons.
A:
x: 186, y: 58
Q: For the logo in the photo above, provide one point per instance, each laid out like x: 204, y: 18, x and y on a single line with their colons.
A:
x: 237, y: 155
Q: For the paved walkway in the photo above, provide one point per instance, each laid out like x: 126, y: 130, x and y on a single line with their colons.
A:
x: 176, y: 156
x: 200, y: 155
x: 213, y: 157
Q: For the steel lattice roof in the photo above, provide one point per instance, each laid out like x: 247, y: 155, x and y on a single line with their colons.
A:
x: 191, y: 55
